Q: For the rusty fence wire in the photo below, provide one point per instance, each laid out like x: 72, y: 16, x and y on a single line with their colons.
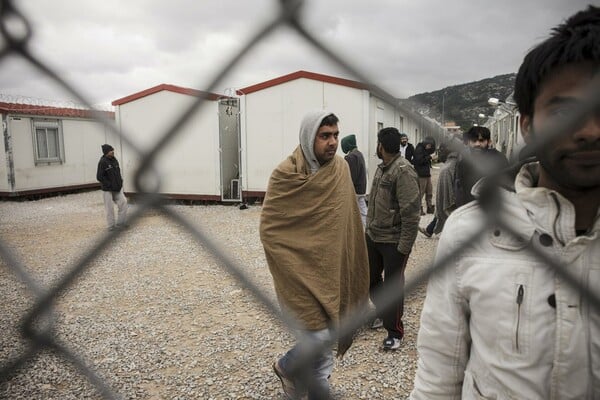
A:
x: 37, y: 326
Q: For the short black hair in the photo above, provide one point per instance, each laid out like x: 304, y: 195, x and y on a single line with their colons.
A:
x: 443, y: 150
x: 389, y: 139
x: 475, y: 132
x: 429, y: 140
x: 329, y: 120
x: 575, y: 41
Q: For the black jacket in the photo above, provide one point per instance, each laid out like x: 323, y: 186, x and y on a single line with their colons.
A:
x: 410, y: 152
x: 358, y: 171
x: 422, y: 161
x: 109, y: 174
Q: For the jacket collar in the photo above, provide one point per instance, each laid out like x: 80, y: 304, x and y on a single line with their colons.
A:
x: 548, y: 210
x: 392, y: 161
x: 529, y: 209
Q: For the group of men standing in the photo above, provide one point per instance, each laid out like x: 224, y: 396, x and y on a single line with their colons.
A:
x: 498, y: 321
x: 327, y: 256
x: 367, y: 243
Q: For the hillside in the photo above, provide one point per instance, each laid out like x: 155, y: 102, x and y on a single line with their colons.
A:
x: 463, y: 103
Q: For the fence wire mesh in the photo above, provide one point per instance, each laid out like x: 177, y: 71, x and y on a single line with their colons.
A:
x: 38, y: 326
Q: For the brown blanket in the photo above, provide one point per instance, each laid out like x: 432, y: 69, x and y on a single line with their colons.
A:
x: 314, y: 243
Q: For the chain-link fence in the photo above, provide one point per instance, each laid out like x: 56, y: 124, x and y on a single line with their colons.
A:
x: 38, y: 325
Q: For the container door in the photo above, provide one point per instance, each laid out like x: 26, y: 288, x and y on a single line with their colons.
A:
x: 230, y: 150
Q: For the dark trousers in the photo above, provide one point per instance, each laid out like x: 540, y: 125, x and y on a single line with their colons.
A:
x: 385, y: 258
x: 431, y: 226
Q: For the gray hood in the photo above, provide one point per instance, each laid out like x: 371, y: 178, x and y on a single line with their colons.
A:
x: 308, y: 130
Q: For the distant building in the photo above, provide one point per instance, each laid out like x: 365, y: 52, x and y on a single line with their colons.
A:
x: 451, y: 128
x: 506, y: 131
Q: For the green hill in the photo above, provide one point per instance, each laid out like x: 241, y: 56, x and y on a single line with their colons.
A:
x: 463, y: 103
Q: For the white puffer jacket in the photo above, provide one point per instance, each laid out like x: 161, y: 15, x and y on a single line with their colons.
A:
x: 499, y: 322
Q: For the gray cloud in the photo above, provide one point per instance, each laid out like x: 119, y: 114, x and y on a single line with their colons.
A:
x: 111, y: 49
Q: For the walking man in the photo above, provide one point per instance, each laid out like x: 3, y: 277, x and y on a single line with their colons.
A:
x: 313, y: 239
x: 392, y: 224
x: 358, y: 172
x: 445, y: 198
x: 111, y: 183
x: 500, y: 321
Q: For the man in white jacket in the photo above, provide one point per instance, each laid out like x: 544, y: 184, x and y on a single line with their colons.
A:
x: 500, y: 321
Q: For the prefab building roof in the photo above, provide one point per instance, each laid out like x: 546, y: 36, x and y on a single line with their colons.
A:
x: 167, y: 87
x: 298, y: 75
x: 50, y: 111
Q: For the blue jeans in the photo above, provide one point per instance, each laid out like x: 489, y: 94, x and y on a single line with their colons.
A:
x: 321, y: 367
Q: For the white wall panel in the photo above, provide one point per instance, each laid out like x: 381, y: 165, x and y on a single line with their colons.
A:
x: 190, y: 163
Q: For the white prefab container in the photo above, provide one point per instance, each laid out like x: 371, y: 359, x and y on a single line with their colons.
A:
x: 272, y: 112
x: 49, y: 149
x: 228, y: 148
x: 189, y: 165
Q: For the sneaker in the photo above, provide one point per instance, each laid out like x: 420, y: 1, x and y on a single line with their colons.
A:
x: 391, y: 343
x: 376, y: 323
x: 424, y: 232
x: 289, y: 388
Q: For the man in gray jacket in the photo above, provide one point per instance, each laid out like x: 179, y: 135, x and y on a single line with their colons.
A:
x: 500, y: 320
x: 392, y: 224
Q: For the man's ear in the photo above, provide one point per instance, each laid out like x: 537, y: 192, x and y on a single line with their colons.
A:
x: 525, y: 125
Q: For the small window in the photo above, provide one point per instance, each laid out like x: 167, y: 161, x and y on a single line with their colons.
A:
x: 47, y: 142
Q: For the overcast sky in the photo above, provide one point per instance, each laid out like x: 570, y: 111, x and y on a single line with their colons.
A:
x: 112, y: 48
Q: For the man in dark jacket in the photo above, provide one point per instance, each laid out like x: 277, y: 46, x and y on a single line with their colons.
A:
x: 111, y: 183
x: 407, y: 150
x: 422, y: 163
x: 358, y: 172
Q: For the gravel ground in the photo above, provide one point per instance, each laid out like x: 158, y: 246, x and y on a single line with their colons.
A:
x: 157, y: 317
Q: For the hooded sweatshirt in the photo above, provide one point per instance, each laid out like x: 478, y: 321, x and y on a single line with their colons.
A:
x: 308, y: 131
x: 348, y: 143
x: 422, y: 157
